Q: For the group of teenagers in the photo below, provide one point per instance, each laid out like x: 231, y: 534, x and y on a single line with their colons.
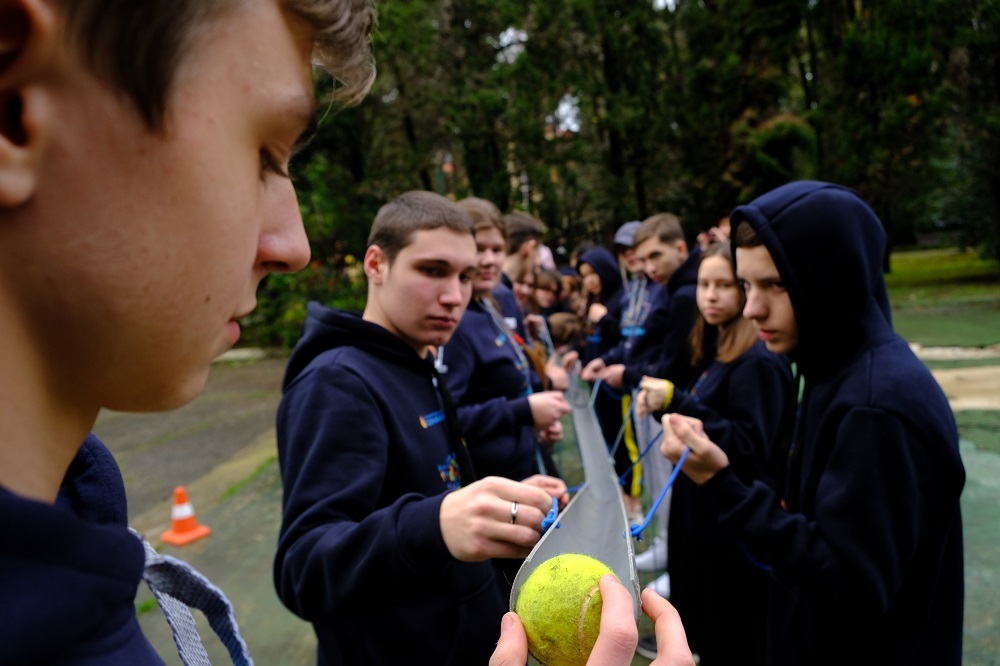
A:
x: 144, y: 194
x: 817, y: 517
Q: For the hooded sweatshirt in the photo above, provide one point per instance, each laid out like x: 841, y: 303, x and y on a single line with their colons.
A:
x: 864, y: 535
x: 663, y: 350
x: 69, y: 572
x: 368, y: 448
x: 720, y: 593
x: 490, y: 384
x: 637, y: 300
x: 606, y: 332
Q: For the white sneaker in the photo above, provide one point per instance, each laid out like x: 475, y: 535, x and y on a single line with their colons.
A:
x: 653, y: 558
x: 661, y: 586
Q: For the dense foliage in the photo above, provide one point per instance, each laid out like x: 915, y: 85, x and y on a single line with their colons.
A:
x: 590, y: 113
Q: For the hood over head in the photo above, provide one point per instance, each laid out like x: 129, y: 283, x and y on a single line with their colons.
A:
x: 828, y: 245
x: 606, y: 267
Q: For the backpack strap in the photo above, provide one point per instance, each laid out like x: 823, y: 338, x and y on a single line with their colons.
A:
x: 178, y: 587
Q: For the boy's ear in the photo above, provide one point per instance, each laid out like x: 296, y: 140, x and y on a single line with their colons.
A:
x: 682, y: 247
x: 27, y: 40
x: 528, y: 248
x: 375, y: 264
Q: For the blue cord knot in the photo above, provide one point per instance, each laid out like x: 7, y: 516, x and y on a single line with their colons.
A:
x: 551, y: 516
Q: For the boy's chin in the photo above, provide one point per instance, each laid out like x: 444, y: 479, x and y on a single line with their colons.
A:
x: 164, y: 396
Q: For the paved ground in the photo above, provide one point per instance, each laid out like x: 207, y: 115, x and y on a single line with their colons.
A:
x: 221, y: 447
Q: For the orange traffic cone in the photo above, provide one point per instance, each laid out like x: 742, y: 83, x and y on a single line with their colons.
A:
x: 184, y: 526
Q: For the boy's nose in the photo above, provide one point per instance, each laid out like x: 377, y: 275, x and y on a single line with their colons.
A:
x: 754, y: 307
x: 452, y: 294
x: 283, y: 246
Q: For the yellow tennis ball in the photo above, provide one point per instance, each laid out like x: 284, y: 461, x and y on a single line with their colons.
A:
x: 560, y: 607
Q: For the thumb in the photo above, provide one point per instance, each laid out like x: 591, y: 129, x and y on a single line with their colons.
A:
x: 685, y: 432
x: 512, y: 649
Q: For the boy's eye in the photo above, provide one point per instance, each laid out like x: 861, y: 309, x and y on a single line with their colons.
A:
x: 268, y: 164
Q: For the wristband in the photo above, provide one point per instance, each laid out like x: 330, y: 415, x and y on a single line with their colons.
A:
x: 668, y: 394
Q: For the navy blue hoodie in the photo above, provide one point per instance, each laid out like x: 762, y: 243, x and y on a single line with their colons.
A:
x: 368, y: 450
x: 491, y: 386
x: 663, y: 350
x: 864, y: 537
x: 69, y: 572
x: 637, y: 300
x: 719, y: 592
x: 606, y: 332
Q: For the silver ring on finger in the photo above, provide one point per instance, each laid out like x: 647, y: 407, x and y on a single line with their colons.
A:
x: 513, y: 512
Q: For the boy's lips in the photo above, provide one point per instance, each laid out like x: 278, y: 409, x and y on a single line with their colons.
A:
x: 232, y: 332
x: 443, y: 322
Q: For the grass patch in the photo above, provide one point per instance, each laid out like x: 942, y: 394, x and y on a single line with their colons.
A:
x: 958, y: 364
x: 982, y: 428
x: 242, y: 483
x: 145, y: 606
x: 916, y: 268
x: 945, y: 298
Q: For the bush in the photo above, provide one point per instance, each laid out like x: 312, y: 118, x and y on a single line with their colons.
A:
x: 282, y: 298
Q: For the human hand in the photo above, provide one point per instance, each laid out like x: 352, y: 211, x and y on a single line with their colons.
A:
x: 551, y: 435
x: 547, y: 407
x: 533, y: 326
x: 671, y: 640
x: 706, y: 458
x: 616, y: 639
x: 613, y: 375
x: 478, y: 521
x: 592, y: 369
x: 554, y: 487
x: 596, y: 312
x: 652, y: 395
x: 557, y: 374
x: 569, y: 359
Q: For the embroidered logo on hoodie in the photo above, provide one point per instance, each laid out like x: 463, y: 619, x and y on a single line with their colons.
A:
x: 432, y: 419
x: 450, y: 473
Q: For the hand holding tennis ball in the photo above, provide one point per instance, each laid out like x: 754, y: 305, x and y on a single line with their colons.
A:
x: 560, y: 607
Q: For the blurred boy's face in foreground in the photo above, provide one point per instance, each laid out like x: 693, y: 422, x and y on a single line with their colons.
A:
x: 132, y: 252
x: 768, y: 305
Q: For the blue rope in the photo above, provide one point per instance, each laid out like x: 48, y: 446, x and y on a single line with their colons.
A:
x: 621, y: 479
x: 637, y: 530
x: 551, y: 516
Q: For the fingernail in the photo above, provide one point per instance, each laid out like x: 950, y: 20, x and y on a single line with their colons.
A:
x: 506, y: 623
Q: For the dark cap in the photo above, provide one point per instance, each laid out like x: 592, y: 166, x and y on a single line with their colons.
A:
x: 626, y: 233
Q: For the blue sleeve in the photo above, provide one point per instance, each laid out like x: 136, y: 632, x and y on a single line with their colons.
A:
x: 670, y: 327
x: 483, y: 420
x: 335, y: 539
x: 872, y: 501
